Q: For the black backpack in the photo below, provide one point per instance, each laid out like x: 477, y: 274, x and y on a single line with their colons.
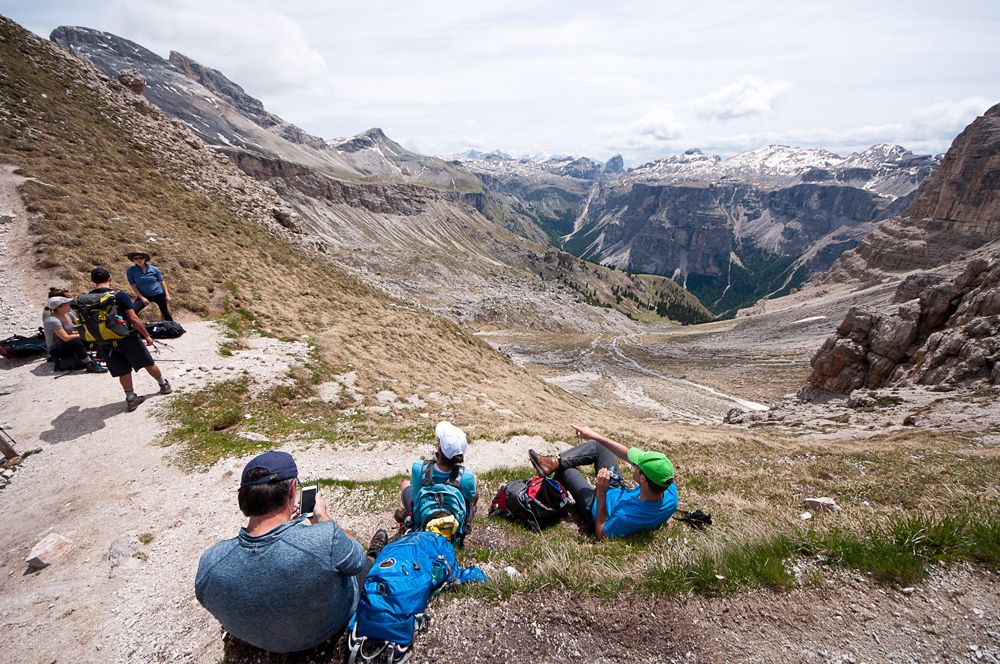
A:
x: 164, y: 329
x: 20, y: 346
x: 537, y: 502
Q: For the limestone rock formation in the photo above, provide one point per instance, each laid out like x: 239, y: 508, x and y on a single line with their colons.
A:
x: 956, y: 210
x: 132, y: 79
x: 949, y: 334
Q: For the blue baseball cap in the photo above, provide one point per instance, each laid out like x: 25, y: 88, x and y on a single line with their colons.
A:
x: 279, y: 465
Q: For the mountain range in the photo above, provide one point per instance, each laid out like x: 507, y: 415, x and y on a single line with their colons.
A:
x: 410, y: 224
x: 732, y: 231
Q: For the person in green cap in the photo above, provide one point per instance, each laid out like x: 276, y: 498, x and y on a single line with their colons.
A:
x: 609, y: 509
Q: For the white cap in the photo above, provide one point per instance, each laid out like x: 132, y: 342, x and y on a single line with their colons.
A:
x: 56, y: 302
x: 451, y: 439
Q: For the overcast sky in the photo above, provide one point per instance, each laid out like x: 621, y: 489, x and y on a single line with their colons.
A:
x: 644, y: 79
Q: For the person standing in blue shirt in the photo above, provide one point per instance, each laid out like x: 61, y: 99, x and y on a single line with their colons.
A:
x: 609, y: 509
x: 147, y: 282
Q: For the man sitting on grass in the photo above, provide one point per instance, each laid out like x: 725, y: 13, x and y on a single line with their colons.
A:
x: 614, y: 511
x: 286, y: 583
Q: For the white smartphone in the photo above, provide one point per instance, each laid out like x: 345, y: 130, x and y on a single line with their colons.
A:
x: 308, y: 503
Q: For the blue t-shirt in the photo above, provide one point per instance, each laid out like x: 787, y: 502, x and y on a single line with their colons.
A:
x: 149, y: 282
x: 467, y: 487
x: 287, y: 590
x: 628, y: 515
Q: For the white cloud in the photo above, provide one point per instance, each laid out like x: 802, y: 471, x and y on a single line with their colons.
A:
x: 947, y: 118
x: 260, y: 49
x: 750, y: 96
x: 659, y: 124
x: 929, y: 128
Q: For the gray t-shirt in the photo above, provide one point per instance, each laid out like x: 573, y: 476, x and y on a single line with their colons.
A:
x: 50, y: 324
x: 287, y: 590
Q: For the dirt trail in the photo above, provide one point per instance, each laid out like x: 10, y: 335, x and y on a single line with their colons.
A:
x: 20, y: 287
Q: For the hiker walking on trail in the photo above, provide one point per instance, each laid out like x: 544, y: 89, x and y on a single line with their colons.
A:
x: 609, y: 509
x: 148, y: 284
x: 287, y: 583
x: 441, y: 494
x: 66, y: 348
x: 108, y: 319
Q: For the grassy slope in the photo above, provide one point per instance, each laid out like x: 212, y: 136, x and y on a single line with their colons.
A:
x: 104, y: 174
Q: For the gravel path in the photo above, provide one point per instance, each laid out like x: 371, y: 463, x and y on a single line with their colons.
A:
x: 20, y: 307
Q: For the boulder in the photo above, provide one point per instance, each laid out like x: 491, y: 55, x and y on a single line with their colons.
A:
x: 821, y: 504
x: 133, y: 80
x: 891, y: 336
x: 49, y: 549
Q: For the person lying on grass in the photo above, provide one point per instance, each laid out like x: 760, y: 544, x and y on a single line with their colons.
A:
x: 609, y: 509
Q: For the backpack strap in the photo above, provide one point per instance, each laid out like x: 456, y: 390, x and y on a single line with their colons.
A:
x: 455, y: 479
x: 427, y: 473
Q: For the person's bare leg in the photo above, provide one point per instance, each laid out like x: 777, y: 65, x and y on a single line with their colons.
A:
x: 126, y: 381
x: 154, y: 371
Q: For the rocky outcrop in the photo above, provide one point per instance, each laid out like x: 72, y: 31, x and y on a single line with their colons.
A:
x: 949, y: 334
x: 966, y: 186
x: 955, y: 211
x: 133, y: 80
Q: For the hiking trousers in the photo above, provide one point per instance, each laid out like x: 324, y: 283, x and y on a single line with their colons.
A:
x: 584, y: 494
x: 161, y: 302
x: 70, y: 355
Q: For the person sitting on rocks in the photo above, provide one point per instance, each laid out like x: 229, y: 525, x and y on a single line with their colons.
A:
x: 148, y: 284
x: 611, y: 510
x: 286, y: 583
x: 128, y: 354
x: 445, y: 467
x: 66, y: 348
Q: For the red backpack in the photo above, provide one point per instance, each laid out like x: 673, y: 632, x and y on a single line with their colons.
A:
x: 537, y: 502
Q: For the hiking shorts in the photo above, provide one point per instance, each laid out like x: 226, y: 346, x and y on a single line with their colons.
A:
x: 129, y: 354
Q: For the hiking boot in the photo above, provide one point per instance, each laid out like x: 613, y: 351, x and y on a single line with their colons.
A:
x: 94, y: 367
x: 379, y: 540
x: 133, y: 403
x: 545, y: 465
x: 165, y: 387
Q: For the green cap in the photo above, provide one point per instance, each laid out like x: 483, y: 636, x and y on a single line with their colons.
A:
x: 654, y: 465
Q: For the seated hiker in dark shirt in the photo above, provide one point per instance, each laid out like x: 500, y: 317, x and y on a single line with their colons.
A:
x: 614, y: 511
x: 66, y: 348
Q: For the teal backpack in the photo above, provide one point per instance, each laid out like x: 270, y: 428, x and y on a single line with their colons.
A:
x: 440, y: 499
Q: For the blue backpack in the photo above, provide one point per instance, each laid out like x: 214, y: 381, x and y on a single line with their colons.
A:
x: 404, y: 578
x: 440, y: 499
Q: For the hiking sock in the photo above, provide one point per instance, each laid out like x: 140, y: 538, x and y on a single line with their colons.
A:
x: 162, y: 381
x: 129, y: 395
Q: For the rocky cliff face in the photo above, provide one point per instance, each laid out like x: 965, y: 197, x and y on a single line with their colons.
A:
x: 728, y: 244
x: 955, y: 211
x: 948, y: 333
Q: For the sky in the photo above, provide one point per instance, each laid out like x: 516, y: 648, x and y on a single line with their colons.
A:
x: 641, y: 79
